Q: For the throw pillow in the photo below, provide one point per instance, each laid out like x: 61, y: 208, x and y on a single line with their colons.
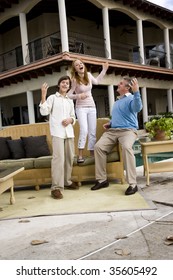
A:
x: 4, y: 150
x: 16, y: 148
x: 35, y: 146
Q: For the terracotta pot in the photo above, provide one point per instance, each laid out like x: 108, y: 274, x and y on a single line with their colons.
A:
x: 160, y: 135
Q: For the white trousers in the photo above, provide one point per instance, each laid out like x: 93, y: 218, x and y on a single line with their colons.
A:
x: 87, y: 122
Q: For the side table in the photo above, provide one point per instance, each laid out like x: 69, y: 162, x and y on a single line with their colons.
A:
x: 7, y: 182
x: 154, y: 147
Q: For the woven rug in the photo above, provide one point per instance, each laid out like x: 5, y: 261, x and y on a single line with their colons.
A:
x: 32, y: 203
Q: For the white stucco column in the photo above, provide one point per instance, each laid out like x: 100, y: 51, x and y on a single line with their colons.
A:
x: 63, y: 25
x: 140, y: 41
x: 106, y: 32
x: 24, y: 40
x: 107, y: 46
x: 0, y: 116
x: 30, y: 102
x: 24, y: 36
x: 145, y: 105
x: 167, y: 48
x: 111, y: 98
x: 169, y: 98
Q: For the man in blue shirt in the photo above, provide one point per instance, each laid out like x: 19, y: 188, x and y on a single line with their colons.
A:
x: 123, y: 128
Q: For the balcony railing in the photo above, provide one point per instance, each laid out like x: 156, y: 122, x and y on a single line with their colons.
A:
x: 11, y: 59
x: 79, y: 43
x: 156, y: 58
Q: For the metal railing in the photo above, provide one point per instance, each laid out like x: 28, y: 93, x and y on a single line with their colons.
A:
x: 10, y: 60
x: 79, y: 43
x: 156, y: 58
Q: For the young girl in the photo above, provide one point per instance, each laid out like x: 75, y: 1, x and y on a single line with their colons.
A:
x: 82, y: 82
x: 61, y: 121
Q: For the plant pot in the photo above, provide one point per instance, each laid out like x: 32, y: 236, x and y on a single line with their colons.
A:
x: 160, y: 135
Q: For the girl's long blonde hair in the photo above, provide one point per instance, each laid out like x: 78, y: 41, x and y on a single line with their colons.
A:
x: 74, y: 74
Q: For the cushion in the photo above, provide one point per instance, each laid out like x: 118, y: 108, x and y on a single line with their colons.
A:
x: 4, y: 150
x: 27, y: 163
x: 43, y: 162
x: 111, y: 157
x: 35, y: 146
x: 16, y: 148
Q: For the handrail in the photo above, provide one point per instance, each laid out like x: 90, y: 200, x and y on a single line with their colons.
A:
x: 45, y: 47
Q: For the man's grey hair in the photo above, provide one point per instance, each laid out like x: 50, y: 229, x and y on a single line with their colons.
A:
x: 128, y: 80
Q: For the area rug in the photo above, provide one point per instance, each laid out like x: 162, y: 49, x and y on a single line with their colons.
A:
x: 32, y: 203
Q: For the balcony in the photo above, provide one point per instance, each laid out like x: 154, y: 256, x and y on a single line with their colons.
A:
x: 81, y: 44
x: 44, y: 56
x: 78, y: 43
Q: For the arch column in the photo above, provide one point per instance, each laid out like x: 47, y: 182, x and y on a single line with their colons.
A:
x: 24, y: 35
x: 107, y: 46
x: 63, y: 25
x: 145, y: 106
x: 140, y: 41
x: 106, y: 32
x: 167, y: 48
x: 111, y: 98
x: 169, y: 98
x: 0, y: 115
x: 24, y: 39
x: 30, y: 102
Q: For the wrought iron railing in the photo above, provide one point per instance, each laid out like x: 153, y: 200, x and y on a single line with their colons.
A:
x: 11, y: 59
x: 80, y: 43
x: 157, y: 59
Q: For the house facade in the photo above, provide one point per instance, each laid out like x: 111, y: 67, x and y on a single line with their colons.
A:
x: 39, y: 39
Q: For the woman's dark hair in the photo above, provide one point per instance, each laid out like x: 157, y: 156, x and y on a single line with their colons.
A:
x: 62, y: 79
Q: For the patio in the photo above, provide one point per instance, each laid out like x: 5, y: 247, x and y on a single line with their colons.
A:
x: 97, y: 235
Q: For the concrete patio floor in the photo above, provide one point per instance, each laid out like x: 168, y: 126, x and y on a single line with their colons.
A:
x: 98, y: 236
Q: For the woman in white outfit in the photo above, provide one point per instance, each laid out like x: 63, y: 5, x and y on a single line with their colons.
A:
x: 80, y: 91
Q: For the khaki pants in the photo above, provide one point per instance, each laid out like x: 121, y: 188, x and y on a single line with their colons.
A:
x: 62, y: 162
x: 105, y: 144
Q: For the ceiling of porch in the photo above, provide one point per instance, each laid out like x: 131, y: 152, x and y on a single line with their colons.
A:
x: 83, y: 8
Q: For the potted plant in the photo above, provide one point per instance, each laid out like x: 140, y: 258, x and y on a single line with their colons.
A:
x: 160, y: 127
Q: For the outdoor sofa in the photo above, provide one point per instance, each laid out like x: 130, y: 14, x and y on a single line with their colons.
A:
x: 29, y: 146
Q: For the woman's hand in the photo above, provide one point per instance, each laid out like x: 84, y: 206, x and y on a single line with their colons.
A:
x: 105, y: 66
x: 83, y: 96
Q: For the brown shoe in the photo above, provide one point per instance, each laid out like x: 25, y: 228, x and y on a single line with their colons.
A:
x: 73, y: 186
x: 56, y: 194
